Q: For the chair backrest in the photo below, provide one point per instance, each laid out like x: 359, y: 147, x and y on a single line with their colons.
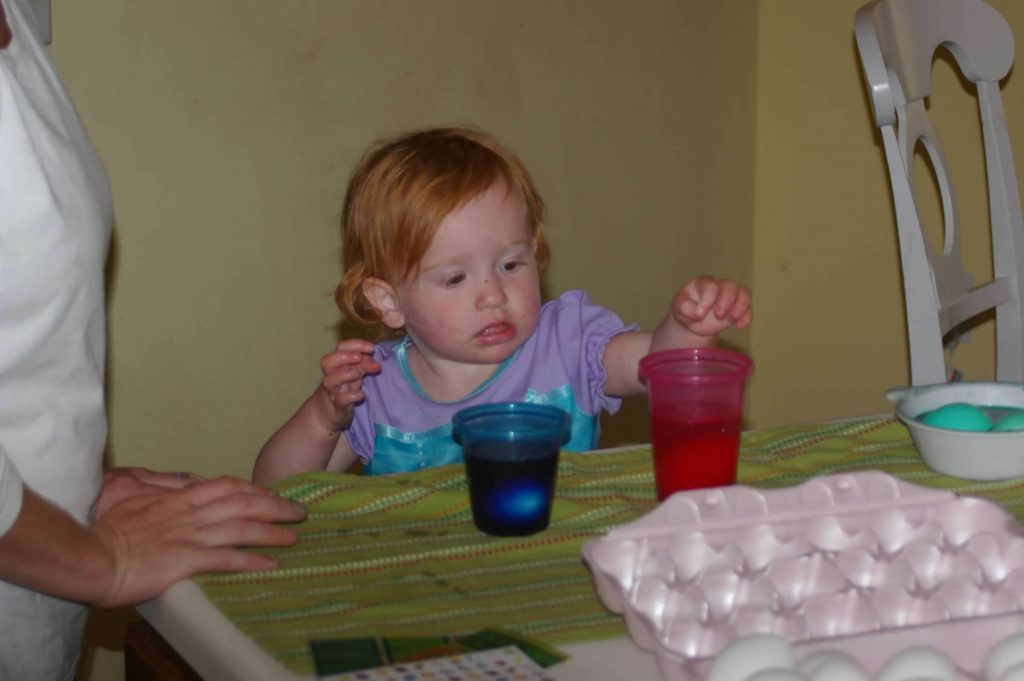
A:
x: 897, y: 40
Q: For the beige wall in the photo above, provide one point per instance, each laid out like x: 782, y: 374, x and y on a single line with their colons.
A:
x: 669, y: 139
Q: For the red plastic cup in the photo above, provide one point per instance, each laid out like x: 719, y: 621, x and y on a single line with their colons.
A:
x: 695, y: 397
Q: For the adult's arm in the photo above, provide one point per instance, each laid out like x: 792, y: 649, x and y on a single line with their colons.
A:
x: 5, y: 29
x: 145, y: 541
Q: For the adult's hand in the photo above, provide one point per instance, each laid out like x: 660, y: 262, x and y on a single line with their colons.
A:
x: 143, y: 542
x: 161, y: 535
x: 121, y: 483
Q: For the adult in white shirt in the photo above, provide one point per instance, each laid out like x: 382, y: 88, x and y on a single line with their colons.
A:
x: 70, y: 534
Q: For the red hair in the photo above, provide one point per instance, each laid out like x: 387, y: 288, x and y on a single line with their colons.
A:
x: 402, y: 190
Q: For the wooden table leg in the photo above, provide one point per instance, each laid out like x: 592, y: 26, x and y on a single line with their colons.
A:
x: 148, y: 657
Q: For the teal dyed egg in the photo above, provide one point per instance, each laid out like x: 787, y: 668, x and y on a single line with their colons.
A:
x: 1010, y: 423
x: 958, y: 416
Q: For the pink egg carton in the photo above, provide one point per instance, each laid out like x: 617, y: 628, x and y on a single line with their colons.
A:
x: 860, y: 562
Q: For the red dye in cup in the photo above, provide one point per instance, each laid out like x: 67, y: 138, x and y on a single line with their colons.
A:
x: 695, y: 397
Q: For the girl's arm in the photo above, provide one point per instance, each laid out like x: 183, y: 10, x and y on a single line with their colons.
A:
x: 700, y: 311
x: 311, y: 439
x: 304, y: 443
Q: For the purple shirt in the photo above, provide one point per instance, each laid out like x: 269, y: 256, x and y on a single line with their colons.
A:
x: 399, y: 428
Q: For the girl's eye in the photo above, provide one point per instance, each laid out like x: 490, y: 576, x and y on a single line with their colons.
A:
x: 512, y: 266
x: 454, y: 280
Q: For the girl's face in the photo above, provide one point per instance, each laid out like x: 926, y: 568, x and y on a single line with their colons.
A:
x: 476, y: 297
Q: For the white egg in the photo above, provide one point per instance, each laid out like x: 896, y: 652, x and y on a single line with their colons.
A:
x: 918, y: 663
x: 813, y: 662
x: 839, y: 670
x: 1014, y: 673
x: 777, y: 674
x: 1006, y: 654
x: 748, y: 655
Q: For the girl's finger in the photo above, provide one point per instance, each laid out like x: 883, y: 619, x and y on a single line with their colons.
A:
x: 351, y: 398
x: 359, y: 345
x: 740, y: 302
x: 708, y: 294
x: 726, y: 299
x: 369, y: 365
x: 688, y: 310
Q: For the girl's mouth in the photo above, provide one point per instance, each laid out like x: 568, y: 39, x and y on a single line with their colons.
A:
x: 493, y: 334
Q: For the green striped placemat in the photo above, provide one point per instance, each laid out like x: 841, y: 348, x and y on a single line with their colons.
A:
x: 399, y: 555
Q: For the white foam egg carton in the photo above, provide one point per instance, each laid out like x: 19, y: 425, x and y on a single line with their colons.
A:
x: 863, y: 563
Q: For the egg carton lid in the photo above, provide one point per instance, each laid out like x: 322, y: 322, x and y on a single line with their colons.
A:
x: 722, y: 508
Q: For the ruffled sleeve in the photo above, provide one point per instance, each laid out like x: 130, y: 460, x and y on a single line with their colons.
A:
x: 582, y: 332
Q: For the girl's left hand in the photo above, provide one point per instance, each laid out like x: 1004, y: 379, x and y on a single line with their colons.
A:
x: 706, y: 306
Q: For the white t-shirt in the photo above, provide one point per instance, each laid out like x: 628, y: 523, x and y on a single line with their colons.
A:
x: 55, y: 221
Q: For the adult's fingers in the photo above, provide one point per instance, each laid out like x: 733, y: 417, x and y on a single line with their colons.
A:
x: 158, y: 539
x: 146, y: 572
x: 233, y: 560
x: 243, y: 532
x: 260, y: 507
x: 122, y: 483
x: 217, y: 488
x: 226, y: 559
x: 173, y: 518
x: 177, y: 480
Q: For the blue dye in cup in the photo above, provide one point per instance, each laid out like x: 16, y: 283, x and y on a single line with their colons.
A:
x: 511, y: 454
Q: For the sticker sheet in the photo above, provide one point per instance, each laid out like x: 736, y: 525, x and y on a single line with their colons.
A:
x: 499, y: 664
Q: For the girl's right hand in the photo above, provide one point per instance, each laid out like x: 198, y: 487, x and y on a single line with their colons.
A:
x: 344, y: 369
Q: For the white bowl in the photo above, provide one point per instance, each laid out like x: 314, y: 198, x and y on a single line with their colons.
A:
x: 964, y: 454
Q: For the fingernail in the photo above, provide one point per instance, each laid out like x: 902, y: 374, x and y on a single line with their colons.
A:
x: 300, y: 507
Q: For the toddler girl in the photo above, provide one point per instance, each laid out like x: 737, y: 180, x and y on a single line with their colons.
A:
x: 443, y: 252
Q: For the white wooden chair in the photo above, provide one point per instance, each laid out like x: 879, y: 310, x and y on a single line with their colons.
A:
x: 897, y: 40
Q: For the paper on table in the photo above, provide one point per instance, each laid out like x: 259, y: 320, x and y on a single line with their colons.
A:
x: 498, y: 664
x: 341, y: 655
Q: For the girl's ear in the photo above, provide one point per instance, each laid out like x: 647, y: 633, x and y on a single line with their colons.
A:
x: 382, y: 296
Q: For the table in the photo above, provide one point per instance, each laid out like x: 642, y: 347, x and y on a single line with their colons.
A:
x: 398, y: 555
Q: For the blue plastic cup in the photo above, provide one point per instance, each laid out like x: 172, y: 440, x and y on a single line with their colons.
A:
x: 511, y: 454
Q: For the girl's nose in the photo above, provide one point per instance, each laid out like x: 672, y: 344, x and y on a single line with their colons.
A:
x: 492, y: 294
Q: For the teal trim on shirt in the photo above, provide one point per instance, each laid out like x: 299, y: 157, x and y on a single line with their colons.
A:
x: 395, y: 451
x: 403, y: 363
